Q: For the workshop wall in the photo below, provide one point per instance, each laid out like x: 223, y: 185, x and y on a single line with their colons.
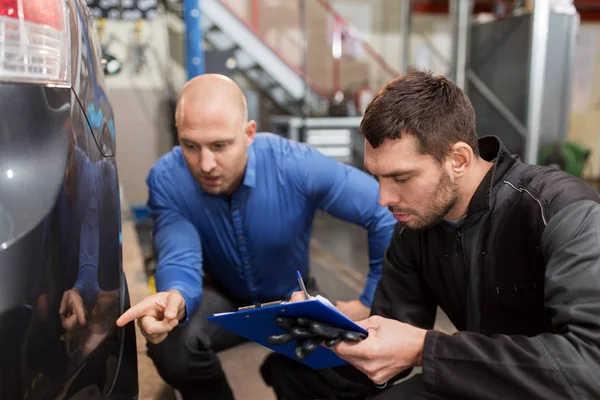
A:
x: 143, y: 115
x: 137, y: 93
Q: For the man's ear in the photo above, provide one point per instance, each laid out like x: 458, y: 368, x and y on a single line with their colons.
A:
x: 250, y: 132
x: 461, y: 157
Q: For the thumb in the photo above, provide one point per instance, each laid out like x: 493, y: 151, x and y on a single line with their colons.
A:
x: 174, y: 302
x: 340, y: 303
x: 370, y: 324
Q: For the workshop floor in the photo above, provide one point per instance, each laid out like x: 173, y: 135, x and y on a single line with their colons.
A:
x: 339, y: 261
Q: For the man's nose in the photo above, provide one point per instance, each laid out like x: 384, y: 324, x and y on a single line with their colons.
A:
x: 387, y: 197
x: 207, y: 161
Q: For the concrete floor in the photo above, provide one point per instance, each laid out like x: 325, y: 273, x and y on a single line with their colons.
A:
x: 339, y: 262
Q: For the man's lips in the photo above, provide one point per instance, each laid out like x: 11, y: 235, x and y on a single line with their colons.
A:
x: 210, y: 180
x: 401, y: 217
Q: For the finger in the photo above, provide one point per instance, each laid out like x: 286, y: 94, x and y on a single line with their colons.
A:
x: 297, y: 296
x: 151, y: 326
x: 79, y: 311
x: 63, y: 303
x: 69, y: 322
x: 174, y: 301
x: 340, y: 303
x: 136, y: 311
x: 370, y: 324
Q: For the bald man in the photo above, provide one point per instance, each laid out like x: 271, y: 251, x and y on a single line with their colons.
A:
x: 233, y: 213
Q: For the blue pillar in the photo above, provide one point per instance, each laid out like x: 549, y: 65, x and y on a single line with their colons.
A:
x: 194, y: 46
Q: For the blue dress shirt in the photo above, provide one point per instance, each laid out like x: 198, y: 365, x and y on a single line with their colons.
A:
x: 252, y: 242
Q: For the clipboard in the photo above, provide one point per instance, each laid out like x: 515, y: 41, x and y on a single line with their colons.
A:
x: 258, y: 324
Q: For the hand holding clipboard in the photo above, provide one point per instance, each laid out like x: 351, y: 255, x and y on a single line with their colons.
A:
x: 260, y: 324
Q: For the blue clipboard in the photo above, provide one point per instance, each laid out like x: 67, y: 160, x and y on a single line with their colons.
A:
x: 259, y: 323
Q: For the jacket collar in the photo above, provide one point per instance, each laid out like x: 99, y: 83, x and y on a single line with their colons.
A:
x: 490, y: 149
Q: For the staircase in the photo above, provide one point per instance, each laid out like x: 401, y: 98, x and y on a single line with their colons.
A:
x: 259, y: 62
x: 268, y: 50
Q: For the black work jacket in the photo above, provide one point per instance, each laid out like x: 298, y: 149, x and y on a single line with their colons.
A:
x: 520, y: 279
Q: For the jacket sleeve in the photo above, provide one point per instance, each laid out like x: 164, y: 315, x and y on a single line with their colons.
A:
x: 401, y: 294
x: 177, y: 245
x: 563, y: 364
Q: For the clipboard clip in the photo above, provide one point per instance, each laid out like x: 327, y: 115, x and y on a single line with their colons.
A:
x: 260, y: 305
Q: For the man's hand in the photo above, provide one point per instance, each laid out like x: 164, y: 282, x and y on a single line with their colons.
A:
x: 157, y: 314
x: 72, y: 311
x: 355, y: 310
x: 298, y: 296
x: 390, y: 348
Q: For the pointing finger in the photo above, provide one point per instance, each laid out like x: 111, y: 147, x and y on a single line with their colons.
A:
x: 136, y: 311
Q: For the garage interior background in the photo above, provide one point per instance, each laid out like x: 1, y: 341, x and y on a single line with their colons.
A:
x: 140, y: 34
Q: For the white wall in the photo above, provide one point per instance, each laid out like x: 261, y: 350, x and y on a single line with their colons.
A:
x: 138, y: 101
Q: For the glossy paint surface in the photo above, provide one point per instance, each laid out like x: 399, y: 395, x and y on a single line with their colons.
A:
x: 61, y: 280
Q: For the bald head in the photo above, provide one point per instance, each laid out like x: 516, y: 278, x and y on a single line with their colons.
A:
x: 210, y: 97
x: 214, y: 132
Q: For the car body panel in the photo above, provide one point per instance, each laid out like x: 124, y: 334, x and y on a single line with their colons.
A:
x: 62, y: 285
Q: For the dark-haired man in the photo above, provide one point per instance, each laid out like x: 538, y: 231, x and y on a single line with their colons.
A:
x: 510, y: 251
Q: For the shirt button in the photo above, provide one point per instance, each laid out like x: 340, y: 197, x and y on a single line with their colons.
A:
x: 240, y: 238
x: 246, y: 262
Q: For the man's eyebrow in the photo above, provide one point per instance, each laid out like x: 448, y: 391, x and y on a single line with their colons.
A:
x: 189, y: 141
x: 399, y: 172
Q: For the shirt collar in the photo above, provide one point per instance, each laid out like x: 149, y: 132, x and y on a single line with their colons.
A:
x: 250, y: 174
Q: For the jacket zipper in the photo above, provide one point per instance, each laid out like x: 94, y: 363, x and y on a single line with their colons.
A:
x: 467, y: 273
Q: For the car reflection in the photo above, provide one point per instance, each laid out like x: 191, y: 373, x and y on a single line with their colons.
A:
x: 79, y: 303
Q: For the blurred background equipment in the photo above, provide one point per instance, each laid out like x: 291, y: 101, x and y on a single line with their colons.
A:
x: 565, y: 155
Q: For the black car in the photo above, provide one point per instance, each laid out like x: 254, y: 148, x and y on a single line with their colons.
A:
x: 61, y: 280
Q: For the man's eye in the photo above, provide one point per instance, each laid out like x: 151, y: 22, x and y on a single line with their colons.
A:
x: 219, y: 146
x: 189, y: 146
x: 401, y: 180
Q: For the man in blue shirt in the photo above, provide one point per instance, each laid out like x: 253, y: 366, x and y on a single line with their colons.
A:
x: 233, y: 213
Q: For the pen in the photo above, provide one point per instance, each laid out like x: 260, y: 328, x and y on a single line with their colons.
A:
x: 301, y: 282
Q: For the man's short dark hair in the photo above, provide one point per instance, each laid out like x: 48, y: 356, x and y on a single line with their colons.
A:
x: 431, y: 108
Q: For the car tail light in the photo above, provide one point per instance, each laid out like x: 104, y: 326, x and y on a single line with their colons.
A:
x: 34, y: 40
